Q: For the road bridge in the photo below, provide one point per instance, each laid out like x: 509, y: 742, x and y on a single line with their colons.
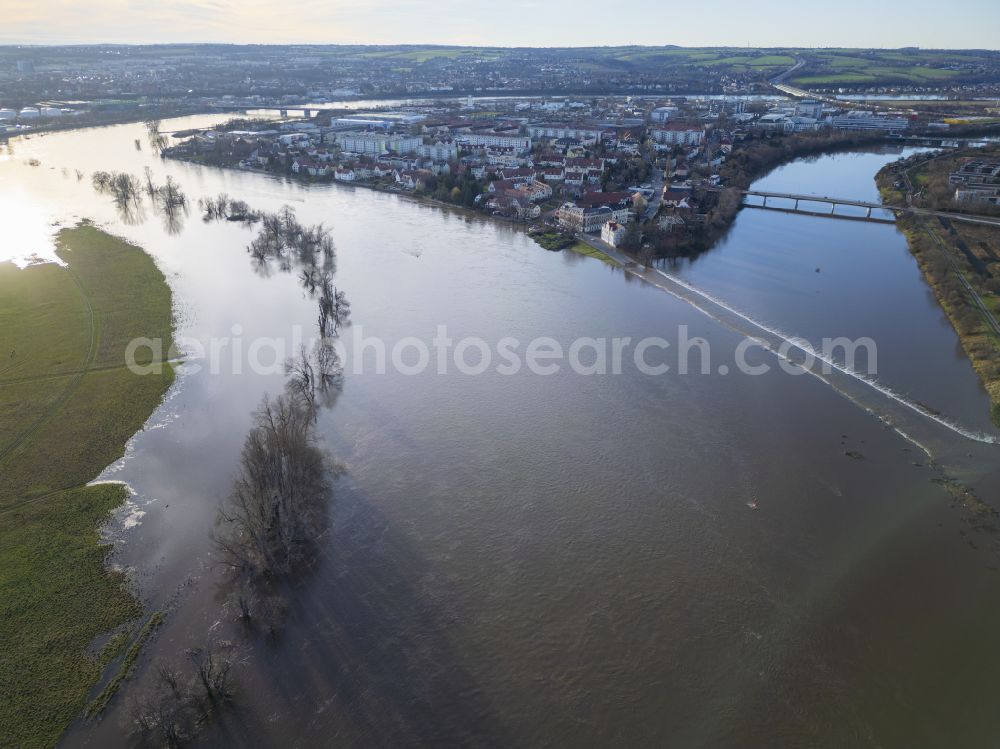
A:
x: 797, y: 198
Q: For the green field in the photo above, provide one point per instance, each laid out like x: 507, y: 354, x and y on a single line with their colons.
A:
x: 419, y: 55
x: 67, y: 407
x: 839, y: 67
x: 582, y: 248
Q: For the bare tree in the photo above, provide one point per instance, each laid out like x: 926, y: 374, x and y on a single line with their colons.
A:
x: 213, y: 674
x: 302, y: 380
x: 156, y: 141
x: 334, y: 309
x: 101, y: 181
x: 171, y: 195
x: 177, y: 705
x: 150, y: 185
x: 277, y: 506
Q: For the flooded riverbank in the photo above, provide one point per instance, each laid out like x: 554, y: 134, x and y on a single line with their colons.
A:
x: 522, y: 560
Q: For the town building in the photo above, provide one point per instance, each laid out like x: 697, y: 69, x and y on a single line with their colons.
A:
x: 377, y: 143
x: 589, y: 218
x: 862, y: 120
x: 438, y: 151
x: 660, y: 115
x: 613, y: 233
x: 676, y: 134
x: 809, y: 108
x: 519, y: 143
x: 990, y: 196
x: 585, y: 134
x: 977, y: 172
x: 977, y: 181
x: 774, y: 122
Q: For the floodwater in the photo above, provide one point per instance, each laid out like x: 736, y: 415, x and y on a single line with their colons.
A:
x: 571, y: 560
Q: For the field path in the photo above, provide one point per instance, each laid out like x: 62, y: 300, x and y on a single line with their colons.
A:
x: 94, y: 326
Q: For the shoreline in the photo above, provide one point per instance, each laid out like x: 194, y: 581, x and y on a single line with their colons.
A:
x: 977, y: 340
x: 374, y: 187
x: 947, y: 265
x: 131, y: 118
x: 691, y: 244
x: 745, y: 166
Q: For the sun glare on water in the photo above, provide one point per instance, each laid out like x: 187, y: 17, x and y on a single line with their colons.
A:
x: 27, y: 235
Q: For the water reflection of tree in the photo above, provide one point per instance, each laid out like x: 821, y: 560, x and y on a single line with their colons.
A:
x: 173, y: 218
x: 131, y: 213
x: 270, y: 525
x: 373, y: 653
x: 157, y: 141
x: 127, y: 190
x: 315, y: 379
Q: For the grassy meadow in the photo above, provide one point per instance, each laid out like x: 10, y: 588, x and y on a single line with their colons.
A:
x: 68, y: 406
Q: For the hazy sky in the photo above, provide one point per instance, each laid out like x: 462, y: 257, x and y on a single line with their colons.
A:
x: 855, y: 23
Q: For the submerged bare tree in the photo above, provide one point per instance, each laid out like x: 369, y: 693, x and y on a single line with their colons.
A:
x: 125, y: 188
x: 284, y: 239
x: 224, y: 208
x: 277, y: 507
x: 101, y: 180
x: 170, y: 196
x: 150, y: 185
x: 183, y: 697
x: 334, y: 309
x: 316, y: 375
x: 157, y: 141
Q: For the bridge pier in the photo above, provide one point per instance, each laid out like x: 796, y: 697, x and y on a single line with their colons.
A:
x: 283, y: 112
x: 765, y: 201
x: 869, y: 214
x: 796, y: 204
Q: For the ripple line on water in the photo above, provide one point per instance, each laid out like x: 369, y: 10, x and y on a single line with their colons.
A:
x: 811, y: 351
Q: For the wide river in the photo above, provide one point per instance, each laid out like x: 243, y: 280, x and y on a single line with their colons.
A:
x: 628, y: 559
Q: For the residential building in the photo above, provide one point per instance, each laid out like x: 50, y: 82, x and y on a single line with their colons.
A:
x: 977, y: 181
x: 586, y: 134
x: 517, y: 174
x: 676, y: 134
x: 377, y: 143
x: 554, y: 174
x: 519, y: 143
x: 308, y: 166
x: 412, y: 180
x: 438, y: 151
x: 613, y: 233
x: 513, y: 205
x: 979, y: 194
x: 589, y: 219
x: 675, y: 199
x: 977, y: 172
